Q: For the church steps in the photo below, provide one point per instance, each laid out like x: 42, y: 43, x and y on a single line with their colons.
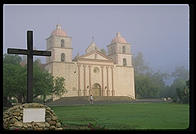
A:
x: 85, y: 100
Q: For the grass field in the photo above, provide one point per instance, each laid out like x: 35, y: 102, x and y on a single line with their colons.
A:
x: 125, y: 116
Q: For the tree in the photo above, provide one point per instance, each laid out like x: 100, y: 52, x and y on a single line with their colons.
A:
x: 103, y: 51
x: 183, y: 94
x: 158, y: 79
x: 147, y: 86
x: 11, y: 59
x: 179, y: 89
x: 180, y: 73
x: 13, y: 74
x: 14, y: 80
x: 139, y: 65
x: 43, y: 82
x: 147, y: 82
x: 177, y: 83
x: 59, y: 88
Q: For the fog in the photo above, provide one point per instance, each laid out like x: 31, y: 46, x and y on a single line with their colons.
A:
x: 160, y: 32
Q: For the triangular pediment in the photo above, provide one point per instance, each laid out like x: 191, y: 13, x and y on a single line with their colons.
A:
x: 96, y: 55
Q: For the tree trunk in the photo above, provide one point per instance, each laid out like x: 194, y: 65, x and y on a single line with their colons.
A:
x: 19, y: 99
x: 6, y: 102
x: 44, y: 99
x: 23, y: 98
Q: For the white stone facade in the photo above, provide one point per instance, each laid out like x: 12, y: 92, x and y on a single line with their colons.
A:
x: 94, y: 72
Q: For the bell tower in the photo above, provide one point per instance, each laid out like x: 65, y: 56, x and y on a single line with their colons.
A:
x: 60, y: 46
x: 120, y: 51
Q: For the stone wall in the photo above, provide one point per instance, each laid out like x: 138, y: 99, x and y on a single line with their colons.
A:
x: 13, y: 119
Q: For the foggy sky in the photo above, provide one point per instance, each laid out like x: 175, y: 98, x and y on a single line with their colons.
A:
x: 160, y: 32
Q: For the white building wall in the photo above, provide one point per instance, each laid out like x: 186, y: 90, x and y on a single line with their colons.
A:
x: 123, y: 79
x: 124, y: 82
x: 81, y: 79
x: 70, y: 74
x: 128, y: 59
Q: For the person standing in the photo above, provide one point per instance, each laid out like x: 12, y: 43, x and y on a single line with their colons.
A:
x: 91, y: 99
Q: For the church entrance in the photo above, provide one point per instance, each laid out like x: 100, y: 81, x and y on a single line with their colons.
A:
x: 96, y: 90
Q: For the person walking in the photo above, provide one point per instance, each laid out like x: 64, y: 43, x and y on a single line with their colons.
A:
x: 91, y: 99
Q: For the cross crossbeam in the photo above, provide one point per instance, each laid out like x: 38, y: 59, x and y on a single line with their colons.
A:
x: 29, y: 52
x: 26, y: 52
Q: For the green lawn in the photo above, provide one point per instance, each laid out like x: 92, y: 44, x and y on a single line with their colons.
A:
x: 126, y: 116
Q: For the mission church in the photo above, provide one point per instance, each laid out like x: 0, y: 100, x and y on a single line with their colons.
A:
x: 94, y: 72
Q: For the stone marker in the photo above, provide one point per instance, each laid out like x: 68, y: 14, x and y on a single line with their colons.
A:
x: 13, y: 118
x: 34, y: 114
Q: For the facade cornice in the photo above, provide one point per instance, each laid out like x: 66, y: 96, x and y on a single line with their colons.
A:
x: 95, y: 52
x: 58, y: 36
x: 88, y: 64
x: 58, y: 47
x: 124, y: 66
x: 119, y: 53
x: 96, y: 60
x: 59, y: 62
x: 117, y: 43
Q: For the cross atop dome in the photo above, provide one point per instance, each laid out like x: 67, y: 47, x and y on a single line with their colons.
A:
x: 59, y: 31
x: 118, y: 34
x: 119, y: 39
x: 93, y: 39
x: 58, y: 26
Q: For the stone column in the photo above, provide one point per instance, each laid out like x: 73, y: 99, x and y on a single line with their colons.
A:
x: 108, y: 91
x: 52, y: 69
x: 53, y: 55
x: 113, y: 93
x: 90, y: 90
x: 102, y: 82
x: 84, y: 80
x: 79, y: 90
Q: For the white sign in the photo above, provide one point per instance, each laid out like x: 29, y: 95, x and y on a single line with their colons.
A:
x: 34, y: 114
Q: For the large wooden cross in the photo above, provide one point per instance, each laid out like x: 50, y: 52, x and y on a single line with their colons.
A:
x: 29, y: 52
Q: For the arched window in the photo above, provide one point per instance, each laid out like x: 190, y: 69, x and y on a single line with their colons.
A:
x: 62, y: 57
x: 62, y: 43
x: 124, y: 62
x: 124, y: 50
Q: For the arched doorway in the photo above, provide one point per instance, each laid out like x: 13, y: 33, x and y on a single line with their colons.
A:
x: 96, y: 90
